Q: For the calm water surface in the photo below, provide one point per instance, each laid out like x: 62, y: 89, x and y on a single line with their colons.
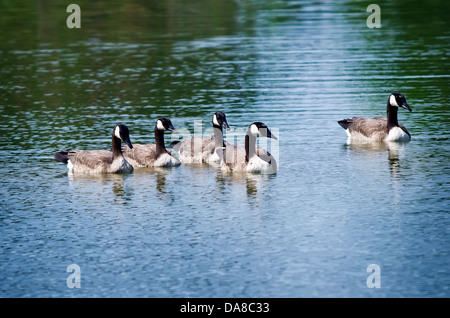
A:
x: 311, y: 230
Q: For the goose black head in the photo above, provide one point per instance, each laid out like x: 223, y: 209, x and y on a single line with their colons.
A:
x: 121, y: 131
x: 259, y: 129
x: 164, y: 123
x: 219, y: 120
x: 399, y: 100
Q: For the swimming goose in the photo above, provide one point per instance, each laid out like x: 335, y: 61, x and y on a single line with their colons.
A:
x: 99, y: 161
x: 152, y: 155
x: 379, y: 128
x: 249, y: 158
x: 199, y: 149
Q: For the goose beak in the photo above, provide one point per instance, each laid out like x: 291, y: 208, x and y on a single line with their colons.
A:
x: 128, y: 142
x: 269, y: 135
x: 225, y: 125
x: 406, y: 106
x: 171, y: 128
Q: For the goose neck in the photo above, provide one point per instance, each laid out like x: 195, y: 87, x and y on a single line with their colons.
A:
x: 159, y: 139
x: 218, y: 137
x: 250, y: 146
x: 392, y: 120
x: 116, y: 146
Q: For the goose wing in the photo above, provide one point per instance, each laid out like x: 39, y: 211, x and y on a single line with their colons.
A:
x: 365, y: 126
x: 233, y: 156
x: 143, y: 155
x: 92, y: 159
x: 194, y: 148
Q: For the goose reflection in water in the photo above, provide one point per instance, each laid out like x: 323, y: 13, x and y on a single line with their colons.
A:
x: 92, y: 183
x: 123, y: 186
x: 255, y: 184
x: 393, y: 150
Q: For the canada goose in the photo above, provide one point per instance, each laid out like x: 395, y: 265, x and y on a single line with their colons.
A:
x: 152, y: 155
x: 199, y: 149
x: 249, y: 158
x: 99, y: 161
x: 379, y: 128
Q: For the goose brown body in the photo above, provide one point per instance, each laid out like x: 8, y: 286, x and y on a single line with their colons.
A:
x: 203, y: 149
x: 99, y: 161
x: 249, y: 158
x: 379, y: 128
x: 152, y: 155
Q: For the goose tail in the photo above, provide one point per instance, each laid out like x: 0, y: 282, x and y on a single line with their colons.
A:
x: 62, y: 156
x: 344, y: 123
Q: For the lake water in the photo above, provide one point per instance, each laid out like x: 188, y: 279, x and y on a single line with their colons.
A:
x: 311, y: 230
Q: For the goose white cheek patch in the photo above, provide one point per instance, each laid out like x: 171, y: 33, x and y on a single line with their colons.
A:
x: 254, y: 130
x: 117, y: 132
x: 160, y: 125
x: 215, y: 121
x: 392, y: 101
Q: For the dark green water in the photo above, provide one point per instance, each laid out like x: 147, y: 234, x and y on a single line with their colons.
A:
x: 311, y: 230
